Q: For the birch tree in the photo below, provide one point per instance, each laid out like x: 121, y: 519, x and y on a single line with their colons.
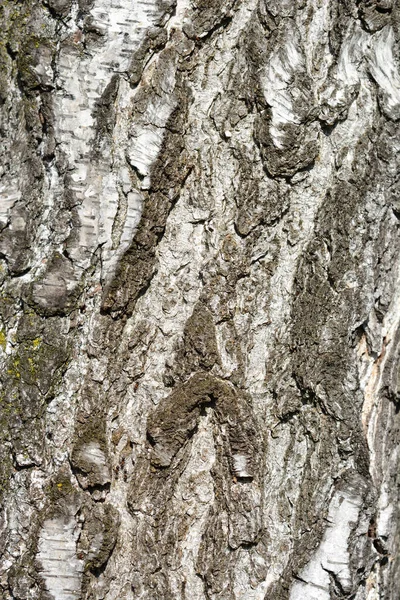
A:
x: 199, y: 299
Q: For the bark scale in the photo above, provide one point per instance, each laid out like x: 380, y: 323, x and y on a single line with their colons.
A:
x: 200, y: 299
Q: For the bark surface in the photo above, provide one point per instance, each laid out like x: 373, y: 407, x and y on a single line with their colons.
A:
x: 200, y: 299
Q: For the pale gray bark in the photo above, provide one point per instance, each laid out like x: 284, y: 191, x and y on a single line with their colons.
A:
x: 200, y: 299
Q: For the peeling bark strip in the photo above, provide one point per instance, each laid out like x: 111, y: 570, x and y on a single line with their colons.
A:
x: 200, y: 299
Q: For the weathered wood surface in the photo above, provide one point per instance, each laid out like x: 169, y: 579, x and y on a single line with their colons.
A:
x: 200, y: 299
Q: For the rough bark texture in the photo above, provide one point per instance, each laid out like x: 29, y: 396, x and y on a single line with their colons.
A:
x: 200, y: 299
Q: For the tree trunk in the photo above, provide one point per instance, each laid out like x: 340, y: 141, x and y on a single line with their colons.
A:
x: 200, y: 299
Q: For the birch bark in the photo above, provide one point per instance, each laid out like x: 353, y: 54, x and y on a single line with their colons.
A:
x: 200, y: 299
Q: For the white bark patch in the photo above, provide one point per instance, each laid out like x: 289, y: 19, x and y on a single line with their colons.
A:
x: 332, y: 555
x: 386, y: 512
x: 82, y: 80
x: 371, y: 369
x: 146, y: 142
x: 119, y: 219
x: 145, y: 150
x: 240, y: 465
x: 350, y: 57
x: 8, y: 197
x: 383, y: 68
x: 180, y: 16
x: 93, y: 453
x: 282, y: 66
x: 62, y: 570
x: 361, y: 52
